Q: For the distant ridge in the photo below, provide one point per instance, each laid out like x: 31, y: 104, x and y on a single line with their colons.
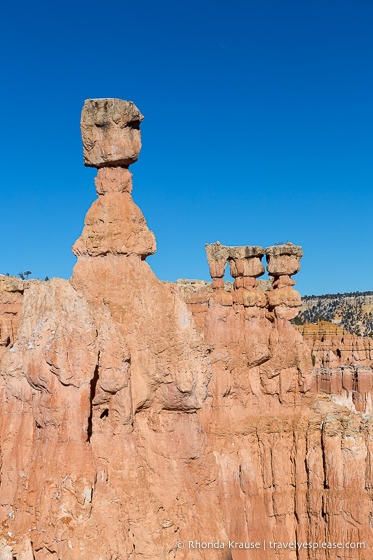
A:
x: 346, y: 294
x: 353, y: 311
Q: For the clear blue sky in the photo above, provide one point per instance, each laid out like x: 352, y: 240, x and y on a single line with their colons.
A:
x: 258, y: 129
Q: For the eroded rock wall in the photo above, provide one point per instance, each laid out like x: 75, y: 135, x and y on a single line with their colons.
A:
x: 141, y: 417
x: 342, y: 364
x: 333, y: 346
x: 283, y: 453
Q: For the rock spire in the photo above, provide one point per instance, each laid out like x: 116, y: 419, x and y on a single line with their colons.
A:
x: 111, y: 142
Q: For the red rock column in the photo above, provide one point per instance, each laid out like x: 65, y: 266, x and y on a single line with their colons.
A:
x: 217, y: 255
x: 114, y: 225
x: 284, y: 261
x: 245, y: 266
x: 289, y: 372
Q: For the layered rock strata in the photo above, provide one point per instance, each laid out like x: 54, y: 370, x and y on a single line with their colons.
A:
x: 343, y: 364
x: 333, y: 346
x: 148, y: 420
x: 352, y: 311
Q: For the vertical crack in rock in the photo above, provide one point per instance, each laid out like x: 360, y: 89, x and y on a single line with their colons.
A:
x: 324, y: 461
x: 93, y: 386
x: 368, y: 463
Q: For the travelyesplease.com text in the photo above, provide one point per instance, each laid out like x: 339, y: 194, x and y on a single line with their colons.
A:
x: 292, y: 545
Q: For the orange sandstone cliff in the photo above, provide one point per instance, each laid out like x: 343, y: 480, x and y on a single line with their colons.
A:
x: 343, y: 364
x: 148, y: 420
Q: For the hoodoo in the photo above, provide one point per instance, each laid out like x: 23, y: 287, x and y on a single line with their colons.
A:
x: 149, y: 420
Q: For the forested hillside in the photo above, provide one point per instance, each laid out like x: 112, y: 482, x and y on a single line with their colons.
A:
x: 352, y: 311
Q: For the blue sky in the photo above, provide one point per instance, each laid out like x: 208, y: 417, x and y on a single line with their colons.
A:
x: 258, y: 129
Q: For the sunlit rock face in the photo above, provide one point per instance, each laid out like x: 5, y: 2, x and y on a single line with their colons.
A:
x: 342, y: 364
x: 110, y: 132
x: 148, y: 420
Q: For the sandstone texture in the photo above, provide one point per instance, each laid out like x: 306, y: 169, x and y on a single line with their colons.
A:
x: 110, y: 132
x: 333, y: 346
x: 11, y: 290
x: 343, y: 364
x: 113, y: 179
x: 154, y: 421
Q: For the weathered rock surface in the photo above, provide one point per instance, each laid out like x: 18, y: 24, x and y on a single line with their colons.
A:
x: 143, y: 420
x: 110, y: 132
x: 11, y: 290
x: 343, y: 364
x: 113, y: 179
x: 333, y: 346
x: 115, y: 225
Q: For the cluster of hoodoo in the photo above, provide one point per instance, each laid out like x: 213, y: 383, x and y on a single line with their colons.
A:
x: 283, y: 261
